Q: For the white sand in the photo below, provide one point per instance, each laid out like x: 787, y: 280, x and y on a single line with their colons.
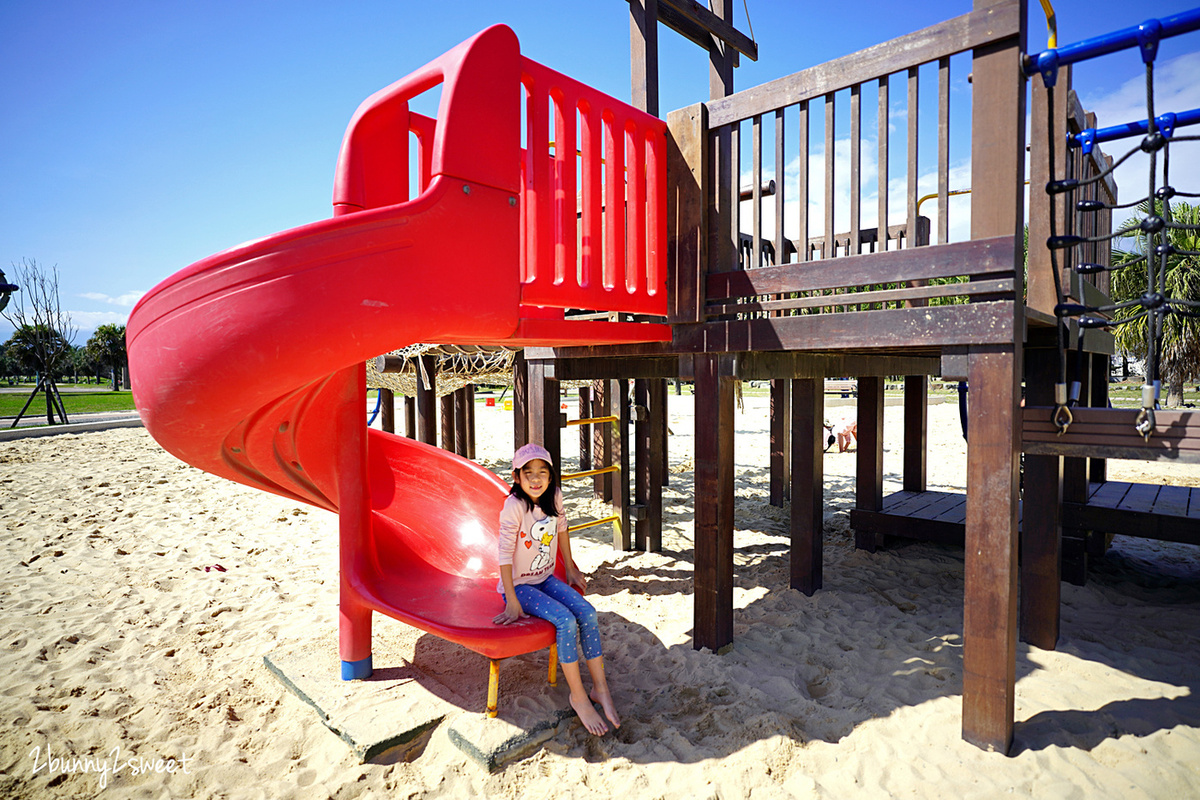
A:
x: 119, y: 645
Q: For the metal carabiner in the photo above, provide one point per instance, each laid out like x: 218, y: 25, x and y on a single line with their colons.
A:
x: 1062, y: 418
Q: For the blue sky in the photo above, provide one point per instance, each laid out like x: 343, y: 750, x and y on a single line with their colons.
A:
x: 139, y: 137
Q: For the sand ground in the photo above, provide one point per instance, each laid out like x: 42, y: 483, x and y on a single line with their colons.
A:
x: 140, y: 595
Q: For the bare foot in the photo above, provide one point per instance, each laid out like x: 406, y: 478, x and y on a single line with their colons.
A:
x: 606, y: 702
x: 588, y: 716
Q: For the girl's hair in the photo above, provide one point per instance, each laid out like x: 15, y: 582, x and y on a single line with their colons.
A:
x: 546, y: 501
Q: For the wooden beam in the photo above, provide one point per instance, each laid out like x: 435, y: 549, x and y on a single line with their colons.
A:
x: 868, y: 480
x: 1041, y: 523
x: 982, y: 258
x: 935, y: 326
x: 713, y: 580
x: 697, y: 24
x: 427, y: 400
x: 643, y: 54
x: 808, y: 478
x: 916, y: 426
x: 781, y: 450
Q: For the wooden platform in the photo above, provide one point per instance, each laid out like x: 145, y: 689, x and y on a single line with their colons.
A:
x: 927, y: 516
x: 1148, y: 511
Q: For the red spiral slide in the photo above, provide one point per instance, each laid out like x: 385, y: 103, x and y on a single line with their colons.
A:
x: 249, y: 363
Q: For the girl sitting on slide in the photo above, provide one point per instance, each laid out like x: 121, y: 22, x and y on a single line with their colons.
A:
x: 533, y: 528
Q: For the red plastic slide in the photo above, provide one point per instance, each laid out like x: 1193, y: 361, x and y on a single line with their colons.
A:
x: 249, y: 364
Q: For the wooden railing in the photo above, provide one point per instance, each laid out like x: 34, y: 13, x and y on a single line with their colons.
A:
x: 749, y: 250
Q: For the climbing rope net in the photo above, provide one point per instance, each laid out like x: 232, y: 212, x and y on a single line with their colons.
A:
x: 1153, y: 229
x: 457, y: 366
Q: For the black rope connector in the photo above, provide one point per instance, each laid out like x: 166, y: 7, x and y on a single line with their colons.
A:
x: 1063, y: 242
x: 1153, y: 300
x: 1163, y: 249
x: 1165, y: 193
x: 1088, y: 268
x: 1058, y: 187
x: 1093, y: 322
x: 1152, y: 224
x: 1153, y: 142
x: 1070, y: 310
x: 1089, y: 205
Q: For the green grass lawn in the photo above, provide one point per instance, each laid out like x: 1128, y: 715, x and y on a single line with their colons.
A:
x: 74, y: 402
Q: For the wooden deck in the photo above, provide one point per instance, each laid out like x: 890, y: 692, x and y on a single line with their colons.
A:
x: 1148, y: 511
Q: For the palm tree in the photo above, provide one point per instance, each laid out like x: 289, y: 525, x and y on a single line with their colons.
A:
x: 1179, y: 348
x: 107, y: 346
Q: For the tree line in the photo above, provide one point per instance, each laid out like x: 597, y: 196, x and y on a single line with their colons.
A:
x: 42, y: 343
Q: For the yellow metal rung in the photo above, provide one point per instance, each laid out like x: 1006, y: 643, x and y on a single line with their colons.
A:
x: 592, y: 421
x: 593, y: 523
x: 570, y: 476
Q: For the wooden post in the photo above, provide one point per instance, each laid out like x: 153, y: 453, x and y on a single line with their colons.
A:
x: 714, y: 505
x: 642, y: 457
x: 658, y: 465
x: 808, y: 478
x: 447, y: 419
x: 387, y: 403
x: 994, y: 373
x: 520, y: 400
x: 410, y: 417
x: 618, y: 391
x: 1098, y: 467
x: 427, y: 400
x: 687, y: 214
x: 470, y: 397
x: 585, y: 431
x: 868, y: 481
x: 1041, y: 293
x: 1041, y: 528
x: 643, y: 54
x: 461, y: 436
x: 781, y: 450
x: 602, y: 438
x: 916, y: 426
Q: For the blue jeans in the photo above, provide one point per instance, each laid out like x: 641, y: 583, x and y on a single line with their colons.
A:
x: 555, y: 601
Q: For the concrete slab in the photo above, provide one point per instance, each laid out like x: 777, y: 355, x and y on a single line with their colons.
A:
x: 394, y: 711
x: 390, y: 711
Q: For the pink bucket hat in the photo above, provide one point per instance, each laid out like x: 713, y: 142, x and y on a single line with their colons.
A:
x: 529, y: 452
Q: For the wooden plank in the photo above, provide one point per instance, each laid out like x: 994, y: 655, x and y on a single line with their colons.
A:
x: 1172, y: 501
x: 913, y: 166
x: 830, y: 160
x: 950, y: 506
x: 802, y: 252
x: 936, y: 326
x: 984, y: 290
x: 658, y: 466
x: 881, y: 223
x: 756, y: 193
x: 600, y: 367
x: 943, y: 150
x: 982, y: 258
x: 1194, y: 504
x: 1140, y: 498
x: 778, y: 364
x: 855, y: 169
x: 585, y: 433
x: 779, y: 238
x: 944, y: 39
x: 446, y: 406
x: 1108, y: 494
x: 387, y: 402
x: 713, y: 577
x: 909, y: 503
x: 1109, y: 432
x: 807, y: 484
x: 868, y: 480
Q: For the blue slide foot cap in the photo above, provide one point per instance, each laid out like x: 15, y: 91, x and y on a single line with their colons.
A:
x: 356, y: 670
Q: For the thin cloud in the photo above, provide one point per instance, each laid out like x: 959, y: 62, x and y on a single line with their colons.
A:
x: 126, y: 300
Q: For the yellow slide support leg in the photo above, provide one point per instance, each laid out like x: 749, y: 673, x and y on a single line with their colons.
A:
x: 554, y: 665
x: 493, y: 700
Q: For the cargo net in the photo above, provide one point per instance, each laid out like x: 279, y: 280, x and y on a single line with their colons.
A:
x: 1159, y: 279
x: 457, y: 366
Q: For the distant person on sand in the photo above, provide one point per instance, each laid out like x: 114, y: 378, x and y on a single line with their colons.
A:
x: 844, y: 432
x: 533, y: 529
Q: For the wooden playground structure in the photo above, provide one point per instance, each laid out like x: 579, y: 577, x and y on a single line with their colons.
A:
x: 751, y: 298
